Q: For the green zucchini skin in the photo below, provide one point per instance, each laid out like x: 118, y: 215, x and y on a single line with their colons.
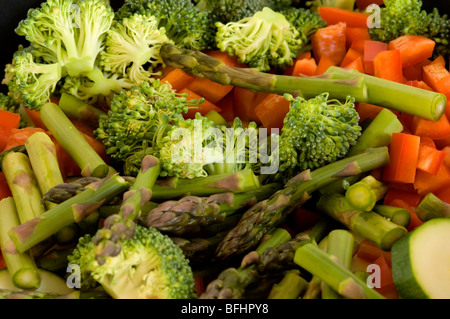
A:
x: 406, y: 278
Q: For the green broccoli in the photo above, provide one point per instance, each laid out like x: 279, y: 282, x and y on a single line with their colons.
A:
x: 263, y: 41
x: 65, y: 38
x: 198, y: 148
x: 132, y: 47
x: 149, y: 266
x: 406, y: 17
x: 305, y: 21
x: 185, y: 25
x: 137, y: 120
x: 316, y: 132
x: 7, y: 103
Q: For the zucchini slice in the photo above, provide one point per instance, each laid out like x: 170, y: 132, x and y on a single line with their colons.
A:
x: 50, y: 283
x: 421, y: 261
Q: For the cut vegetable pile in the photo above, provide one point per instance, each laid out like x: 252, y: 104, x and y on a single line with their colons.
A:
x: 245, y: 150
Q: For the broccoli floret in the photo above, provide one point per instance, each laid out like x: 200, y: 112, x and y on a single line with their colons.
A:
x: 305, y: 21
x: 316, y: 132
x: 198, y: 148
x: 263, y: 41
x: 185, y: 25
x: 149, y: 266
x: 132, y: 47
x: 68, y: 32
x: 8, y: 104
x: 406, y: 17
x: 30, y: 80
x: 136, y: 121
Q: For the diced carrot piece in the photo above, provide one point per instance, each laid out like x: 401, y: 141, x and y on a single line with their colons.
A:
x: 203, y: 108
x: 429, y: 183
x: 430, y: 159
x: 304, y: 67
x: 371, y: 49
x: 356, y: 64
x: 353, y: 19
x: 367, y: 111
x: 403, y: 152
x: 350, y: 56
x: 245, y: 101
x: 177, y: 78
x: 324, y: 63
x: 387, y: 287
x: 5, y: 191
x: 272, y: 110
x: 388, y: 65
x: 411, y: 197
x: 413, y: 48
x: 19, y: 136
x: 227, y: 106
x: 434, y: 129
x: 330, y: 41
x: 356, y: 34
x: 434, y: 72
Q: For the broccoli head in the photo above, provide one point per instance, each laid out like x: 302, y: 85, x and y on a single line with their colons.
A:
x: 263, y: 41
x: 132, y: 47
x: 305, y: 21
x: 30, y: 80
x: 149, y: 266
x: 68, y: 32
x: 138, y: 119
x: 185, y: 25
x: 197, y: 148
x: 316, y: 132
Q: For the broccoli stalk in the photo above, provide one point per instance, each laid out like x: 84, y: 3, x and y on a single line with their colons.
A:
x: 77, y: 208
x: 73, y: 141
x: 267, y: 214
x: 79, y: 110
x: 338, y: 82
x: 21, y: 266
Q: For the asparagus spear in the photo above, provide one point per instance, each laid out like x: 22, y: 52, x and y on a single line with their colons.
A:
x: 273, y: 256
x: 201, y: 65
x: 325, y: 266
x: 269, y: 213
x: 73, y: 141
x: 397, y: 96
x: 172, y: 188
x: 397, y: 215
x: 21, y: 266
x: 189, y: 215
x: 431, y: 207
x: 364, y: 88
x: 32, y: 294
x: 378, y: 132
x: 364, y: 194
x: 341, y: 245
x: 73, y: 210
x: 290, y: 287
x: 18, y: 148
x: 119, y: 227
x: 24, y: 187
x: 369, y: 225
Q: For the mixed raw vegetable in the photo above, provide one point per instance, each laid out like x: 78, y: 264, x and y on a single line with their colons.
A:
x: 207, y: 149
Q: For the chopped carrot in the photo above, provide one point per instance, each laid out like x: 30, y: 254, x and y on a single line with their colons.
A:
x: 8, y: 121
x: 403, y: 152
x: 304, y: 67
x: 353, y: 19
x: 5, y: 191
x: 210, y: 90
x: 330, y: 41
x: 411, y: 197
x: 245, y: 101
x: 303, y: 218
x: 415, y: 72
x: 429, y: 183
x: 177, y: 78
x: 35, y: 117
x: 272, y: 110
x: 356, y: 34
x: 350, y: 56
x: 388, y: 65
x: 413, y: 48
x: 434, y: 129
x: 19, y: 136
x: 370, y: 252
x: 227, y: 106
x: 367, y: 111
x: 324, y: 63
x: 435, y: 72
x: 356, y: 64
x: 386, y: 284
x: 203, y: 108
x: 371, y: 49
x: 430, y: 158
